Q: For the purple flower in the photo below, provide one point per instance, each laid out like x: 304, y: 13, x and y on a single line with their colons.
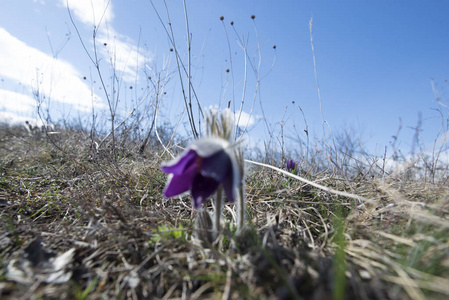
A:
x: 200, y: 169
x: 291, y: 165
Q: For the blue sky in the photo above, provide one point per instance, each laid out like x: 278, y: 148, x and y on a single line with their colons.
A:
x: 374, y: 61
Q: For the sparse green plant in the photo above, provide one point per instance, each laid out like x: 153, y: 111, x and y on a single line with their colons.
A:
x: 165, y: 233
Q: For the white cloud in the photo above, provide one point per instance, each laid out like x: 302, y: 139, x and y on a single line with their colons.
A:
x: 245, y: 119
x: 55, y: 78
x: 419, y: 165
x: 90, y: 12
x: 13, y: 118
x: 11, y: 101
x: 127, y: 58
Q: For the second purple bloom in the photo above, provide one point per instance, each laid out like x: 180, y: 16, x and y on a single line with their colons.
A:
x: 291, y: 165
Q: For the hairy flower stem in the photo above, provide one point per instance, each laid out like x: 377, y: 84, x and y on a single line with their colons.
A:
x: 218, y: 208
x: 239, y: 189
x: 240, y: 209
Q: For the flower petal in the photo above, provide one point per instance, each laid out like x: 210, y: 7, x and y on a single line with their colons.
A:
x: 209, y: 146
x: 202, y: 188
x: 180, y: 164
x: 182, y: 175
x: 289, y: 165
x: 217, y: 166
x: 176, y: 185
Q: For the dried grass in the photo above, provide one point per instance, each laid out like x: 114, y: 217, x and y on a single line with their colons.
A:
x: 76, y: 224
